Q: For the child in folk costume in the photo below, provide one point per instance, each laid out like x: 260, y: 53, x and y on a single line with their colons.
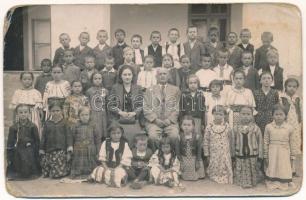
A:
x: 74, y: 102
x: 265, y: 99
x: 293, y: 105
x: 29, y: 96
x: 174, y: 47
x: 213, y: 98
x: 87, y: 143
x: 192, y: 103
x: 97, y: 101
x: 140, y: 171
x: 279, y: 151
x: 165, y: 165
x: 22, y: 146
x: 174, y: 77
x: 115, y: 156
x: 56, y: 90
x: 217, y: 147
x: 56, y: 144
x: 238, y: 96
x: 190, y: 151
x: 248, y: 144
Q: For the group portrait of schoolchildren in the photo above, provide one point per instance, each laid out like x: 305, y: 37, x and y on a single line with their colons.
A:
x: 159, y: 114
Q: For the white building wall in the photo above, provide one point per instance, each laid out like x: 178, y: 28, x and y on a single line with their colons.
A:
x: 284, y: 21
x: 74, y: 19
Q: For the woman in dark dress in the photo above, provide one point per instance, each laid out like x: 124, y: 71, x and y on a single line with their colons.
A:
x: 125, y: 103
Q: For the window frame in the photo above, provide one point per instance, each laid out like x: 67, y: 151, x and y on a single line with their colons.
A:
x: 33, y: 67
x: 208, y: 16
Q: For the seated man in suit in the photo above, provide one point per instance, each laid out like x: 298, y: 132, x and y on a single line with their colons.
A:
x: 161, y: 108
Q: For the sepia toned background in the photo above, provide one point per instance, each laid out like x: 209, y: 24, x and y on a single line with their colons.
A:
x: 33, y: 35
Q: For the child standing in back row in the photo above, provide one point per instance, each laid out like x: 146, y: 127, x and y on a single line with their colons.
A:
x: 155, y: 49
x: 245, y: 45
x: 136, y: 42
x: 64, y: 39
x: 82, y: 50
x: 102, y: 50
x: 173, y: 47
x: 117, y: 50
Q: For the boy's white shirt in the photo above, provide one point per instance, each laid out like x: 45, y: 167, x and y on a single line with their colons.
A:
x: 206, y: 76
x: 226, y: 73
x: 138, y: 57
x: 101, y: 46
x: 192, y: 43
x: 245, y: 45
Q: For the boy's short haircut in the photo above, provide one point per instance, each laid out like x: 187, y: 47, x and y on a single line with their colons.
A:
x: 213, y: 29
x: 245, y: 30
x: 184, y: 56
x: 291, y: 80
x: 110, y: 58
x: 69, y: 50
x: 267, y: 34
x: 102, y: 31
x: 26, y: 72
x: 174, y: 29
x: 216, y: 82
x: 141, y: 137
x: 272, y: 51
x: 205, y: 55
x: 189, y: 27
x: 46, y: 60
x: 84, y: 32
x: 137, y: 36
x: 222, y: 50
x: 247, y: 52
x: 62, y: 34
x: 232, y: 33
x: 155, y: 32
x: 149, y: 56
x: 119, y: 30
x: 90, y: 56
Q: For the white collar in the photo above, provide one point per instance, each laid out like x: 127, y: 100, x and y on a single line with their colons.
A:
x: 272, y: 66
x: 172, y: 44
x: 101, y: 46
x: 121, y: 44
x: 225, y: 66
x: 245, y: 45
x: 105, y: 70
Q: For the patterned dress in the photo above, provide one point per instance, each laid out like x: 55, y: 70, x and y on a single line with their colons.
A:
x: 248, y: 148
x: 264, y: 106
x: 87, y: 143
x: 236, y: 98
x: 97, y: 102
x: 72, y: 105
x: 278, y: 149
x: 33, y: 99
x: 189, y: 156
x: 217, y: 147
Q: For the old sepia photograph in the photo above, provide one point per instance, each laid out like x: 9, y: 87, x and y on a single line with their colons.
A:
x: 153, y: 100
